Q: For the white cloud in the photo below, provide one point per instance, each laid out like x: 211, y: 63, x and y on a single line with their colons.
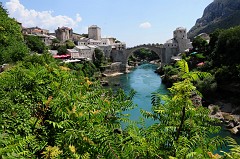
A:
x: 43, y: 19
x: 145, y: 25
x: 78, y: 18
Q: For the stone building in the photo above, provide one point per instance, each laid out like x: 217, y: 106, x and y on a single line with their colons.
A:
x: 104, y: 44
x: 180, y: 35
x: 94, y: 32
x: 64, y: 33
x: 43, y: 34
x: 76, y: 37
x: 82, y: 52
x: 34, y: 30
x: 179, y: 43
x: 204, y: 36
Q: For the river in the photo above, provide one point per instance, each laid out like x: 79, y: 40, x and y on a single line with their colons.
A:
x: 144, y: 81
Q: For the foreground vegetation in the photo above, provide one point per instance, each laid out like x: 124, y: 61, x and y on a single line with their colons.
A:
x: 50, y: 110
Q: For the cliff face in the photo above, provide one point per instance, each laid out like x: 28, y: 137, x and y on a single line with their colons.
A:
x: 221, y: 14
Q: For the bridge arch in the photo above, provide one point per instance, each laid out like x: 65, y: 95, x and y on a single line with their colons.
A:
x: 159, y: 50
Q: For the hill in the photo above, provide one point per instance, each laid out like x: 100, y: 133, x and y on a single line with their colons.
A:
x: 221, y: 14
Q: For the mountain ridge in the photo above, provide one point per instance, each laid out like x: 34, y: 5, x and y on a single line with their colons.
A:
x: 220, y: 14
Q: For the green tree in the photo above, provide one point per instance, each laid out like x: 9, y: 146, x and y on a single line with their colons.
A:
x: 199, y: 44
x: 227, y: 48
x: 47, y: 111
x: 98, y: 58
x: 62, y: 50
x: 12, y: 46
x: 35, y: 44
x: 69, y: 44
x: 224, y: 54
x: 55, y: 44
x: 145, y: 54
x: 184, y: 130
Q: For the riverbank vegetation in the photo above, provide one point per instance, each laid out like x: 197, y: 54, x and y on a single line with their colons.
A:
x: 214, y: 68
x: 142, y: 55
x: 51, y: 110
x: 220, y: 58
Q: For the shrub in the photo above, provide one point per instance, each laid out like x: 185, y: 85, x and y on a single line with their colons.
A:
x: 215, y: 109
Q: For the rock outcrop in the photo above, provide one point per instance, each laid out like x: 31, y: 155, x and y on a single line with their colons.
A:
x: 221, y: 14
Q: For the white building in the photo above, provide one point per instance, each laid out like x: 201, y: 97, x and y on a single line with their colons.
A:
x: 82, y: 52
x: 104, y: 44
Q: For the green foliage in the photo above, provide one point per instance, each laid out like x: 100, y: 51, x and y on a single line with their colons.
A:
x: 183, y: 130
x: 234, y: 151
x: 200, y: 56
x: 224, y: 52
x: 55, y: 44
x: 35, y: 43
x: 46, y: 108
x: 183, y: 67
x: 62, y: 50
x: 12, y: 46
x: 199, y: 44
x: 69, y: 44
x: 35, y: 59
x: 86, y: 68
x: 223, y: 73
x: 215, y: 109
x: 170, y: 70
x: 145, y: 54
x: 227, y: 48
x: 98, y: 58
x: 197, y: 76
x: 207, y: 85
x: 213, y: 40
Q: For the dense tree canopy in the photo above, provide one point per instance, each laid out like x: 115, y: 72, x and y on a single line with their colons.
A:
x: 69, y: 44
x: 62, y: 50
x: 50, y: 111
x: 35, y: 43
x: 199, y: 44
x: 12, y: 46
x: 145, y: 54
x: 98, y: 58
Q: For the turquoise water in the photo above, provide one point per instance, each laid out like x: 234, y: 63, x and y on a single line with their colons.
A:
x: 144, y: 81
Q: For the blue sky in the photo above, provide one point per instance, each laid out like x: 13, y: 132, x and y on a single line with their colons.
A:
x: 132, y: 21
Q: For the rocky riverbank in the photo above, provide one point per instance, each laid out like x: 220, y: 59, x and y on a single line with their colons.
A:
x: 227, y: 114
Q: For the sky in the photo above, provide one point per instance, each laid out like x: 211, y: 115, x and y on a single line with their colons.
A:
x: 135, y: 22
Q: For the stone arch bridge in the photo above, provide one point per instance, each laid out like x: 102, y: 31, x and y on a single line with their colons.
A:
x: 123, y: 55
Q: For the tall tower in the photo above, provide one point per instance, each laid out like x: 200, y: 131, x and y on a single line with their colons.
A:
x: 94, y: 32
x: 180, y: 35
